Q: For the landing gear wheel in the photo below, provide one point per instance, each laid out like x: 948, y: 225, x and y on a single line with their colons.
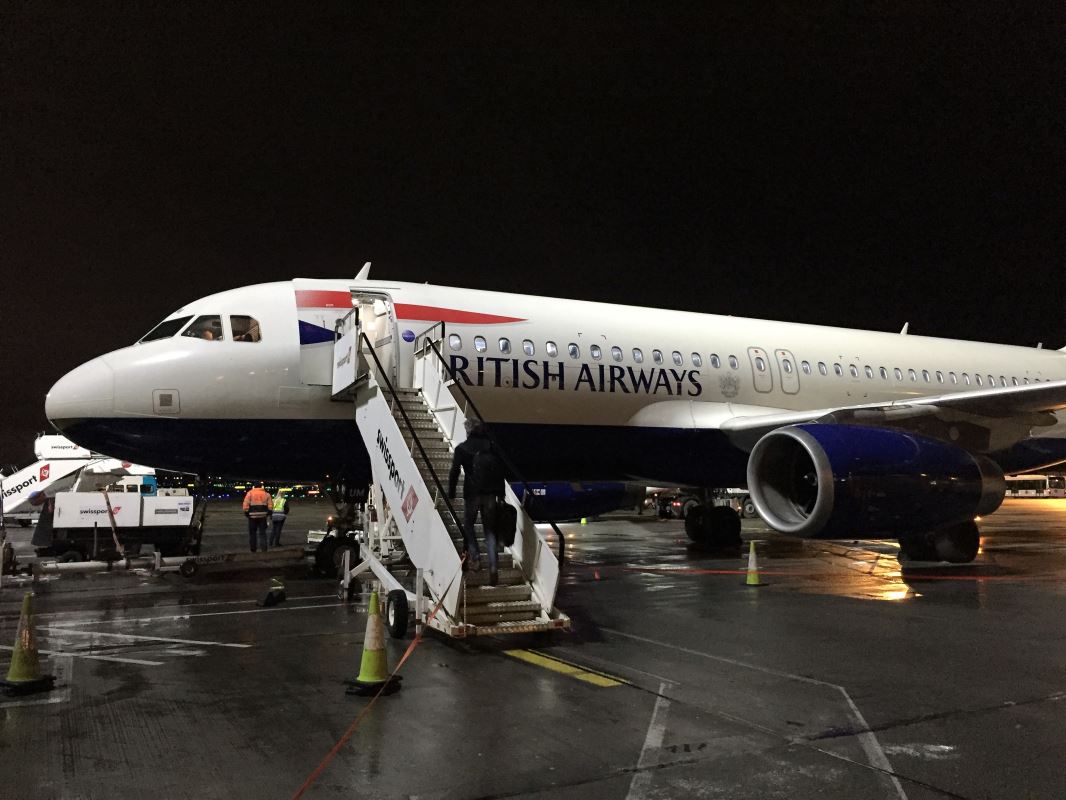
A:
x: 747, y: 509
x: 958, y: 544
x: 396, y: 613
x: 70, y: 556
x: 918, y: 547
x: 695, y: 525
x: 713, y: 526
x: 324, y: 557
x: 188, y: 568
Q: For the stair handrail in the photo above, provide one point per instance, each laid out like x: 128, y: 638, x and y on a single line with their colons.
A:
x: 428, y: 341
x: 407, y: 421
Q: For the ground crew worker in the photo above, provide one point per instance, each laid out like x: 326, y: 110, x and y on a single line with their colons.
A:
x: 280, y: 510
x: 483, y: 484
x: 256, y: 508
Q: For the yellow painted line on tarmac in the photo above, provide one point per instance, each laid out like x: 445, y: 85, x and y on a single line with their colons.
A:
x: 601, y: 679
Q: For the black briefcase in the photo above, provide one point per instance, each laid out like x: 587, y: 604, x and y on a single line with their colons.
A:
x: 506, y: 523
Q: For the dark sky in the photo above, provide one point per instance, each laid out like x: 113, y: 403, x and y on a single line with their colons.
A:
x: 857, y: 165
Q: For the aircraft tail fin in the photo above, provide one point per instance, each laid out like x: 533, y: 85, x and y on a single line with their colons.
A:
x: 364, y: 273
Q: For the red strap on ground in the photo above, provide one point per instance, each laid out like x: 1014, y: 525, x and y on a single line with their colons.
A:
x: 355, y: 723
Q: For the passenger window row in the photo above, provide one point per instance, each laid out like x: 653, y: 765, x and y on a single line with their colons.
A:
x: 596, y: 352
x: 481, y: 345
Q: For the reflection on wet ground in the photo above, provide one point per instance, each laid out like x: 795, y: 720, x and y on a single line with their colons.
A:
x: 678, y: 680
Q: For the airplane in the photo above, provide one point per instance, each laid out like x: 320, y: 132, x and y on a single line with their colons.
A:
x: 837, y: 433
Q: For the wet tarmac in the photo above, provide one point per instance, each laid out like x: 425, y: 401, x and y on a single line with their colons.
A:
x: 844, y: 677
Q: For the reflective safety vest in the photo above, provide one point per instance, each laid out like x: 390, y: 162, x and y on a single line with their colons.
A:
x: 257, y: 503
x: 279, y: 504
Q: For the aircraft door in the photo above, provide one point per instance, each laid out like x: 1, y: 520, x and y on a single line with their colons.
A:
x: 378, y: 321
x: 318, y: 308
x: 760, y: 369
x: 786, y: 365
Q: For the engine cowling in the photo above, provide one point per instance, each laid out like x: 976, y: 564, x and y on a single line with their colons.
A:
x: 836, y: 481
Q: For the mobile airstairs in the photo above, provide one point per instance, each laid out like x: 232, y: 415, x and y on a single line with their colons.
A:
x: 410, y: 433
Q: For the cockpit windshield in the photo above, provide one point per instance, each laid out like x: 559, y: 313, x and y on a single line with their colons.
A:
x: 165, y: 329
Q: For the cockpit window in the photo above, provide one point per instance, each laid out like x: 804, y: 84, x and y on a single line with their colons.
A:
x: 245, y: 329
x: 165, y: 329
x: 207, y: 327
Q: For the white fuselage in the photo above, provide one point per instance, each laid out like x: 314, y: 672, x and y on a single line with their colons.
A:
x: 555, y: 374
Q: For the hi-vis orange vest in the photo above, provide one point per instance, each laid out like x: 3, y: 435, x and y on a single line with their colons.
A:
x: 257, y: 502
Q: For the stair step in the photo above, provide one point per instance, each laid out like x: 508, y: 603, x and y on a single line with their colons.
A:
x: 502, y: 612
x: 479, y: 595
x: 506, y: 577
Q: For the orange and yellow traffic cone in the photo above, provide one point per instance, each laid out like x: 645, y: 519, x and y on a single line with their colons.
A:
x: 24, y: 676
x: 374, y: 667
x: 752, y: 578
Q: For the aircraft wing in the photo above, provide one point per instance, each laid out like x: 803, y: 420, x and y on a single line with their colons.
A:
x: 980, y: 420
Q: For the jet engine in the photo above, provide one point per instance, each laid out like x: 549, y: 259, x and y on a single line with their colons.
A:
x: 837, y: 481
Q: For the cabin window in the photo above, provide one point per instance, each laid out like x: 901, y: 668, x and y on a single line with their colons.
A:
x: 455, y: 341
x: 978, y: 379
x: 1026, y: 381
x: 697, y: 360
x: 733, y: 363
x: 954, y: 379
x: 479, y: 344
x: 1014, y: 381
x: 760, y: 364
x: 925, y: 375
x: 939, y: 376
x: 245, y: 329
x: 638, y: 356
x: 898, y: 373
x: 1002, y: 381
x: 991, y: 381
x: 912, y: 375
x: 786, y: 365
x: 716, y: 362
x: 854, y: 370
x: 839, y: 370
x: 165, y: 329
x: 822, y: 368
x: 552, y: 349
x: 806, y: 367
x: 595, y: 352
x: 678, y: 360
x: 505, y: 346
x: 527, y: 347
x: 869, y: 371
x: 616, y: 353
x: 574, y: 350
x: 207, y: 327
x: 884, y: 374
x: 966, y: 378
x: 657, y: 356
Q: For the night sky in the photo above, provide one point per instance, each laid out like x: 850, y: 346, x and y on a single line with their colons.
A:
x: 833, y: 163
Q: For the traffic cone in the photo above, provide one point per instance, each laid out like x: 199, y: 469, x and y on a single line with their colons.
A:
x: 753, y: 568
x: 374, y: 667
x: 24, y: 676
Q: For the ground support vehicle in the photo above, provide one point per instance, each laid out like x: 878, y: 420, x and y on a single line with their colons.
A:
x: 105, y: 526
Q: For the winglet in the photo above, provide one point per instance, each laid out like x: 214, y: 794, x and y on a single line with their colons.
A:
x: 364, y: 273
x: 906, y: 326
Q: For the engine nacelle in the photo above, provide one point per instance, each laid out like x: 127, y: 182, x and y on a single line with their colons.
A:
x: 837, y: 481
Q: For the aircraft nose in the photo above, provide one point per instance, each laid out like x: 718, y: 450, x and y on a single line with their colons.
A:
x: 85, y: 392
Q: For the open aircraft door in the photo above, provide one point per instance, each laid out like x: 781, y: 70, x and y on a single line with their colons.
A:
x: 377, y: 320
x: 317, y: 312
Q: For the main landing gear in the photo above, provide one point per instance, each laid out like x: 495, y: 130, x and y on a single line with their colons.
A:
x: 713, y: 526
x: 956, y: 544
